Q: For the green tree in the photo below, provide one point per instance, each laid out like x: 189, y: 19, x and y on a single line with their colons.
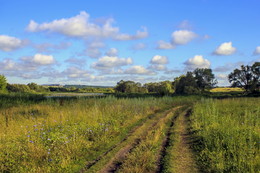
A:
x: 128, y: 87
x: 18, y: 88
x: 186, y: 84
x: 165, y: 88
x: 204, y: 78
x: 3, y: 83
x: 246, y: 77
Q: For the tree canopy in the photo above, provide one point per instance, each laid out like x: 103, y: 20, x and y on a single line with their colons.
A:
x: 195, y: 82
x: 247, y: 77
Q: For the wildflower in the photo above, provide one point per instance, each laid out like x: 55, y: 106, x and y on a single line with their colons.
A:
x: 28, y: 136
x: 34, y: 125
x: 31, y: 141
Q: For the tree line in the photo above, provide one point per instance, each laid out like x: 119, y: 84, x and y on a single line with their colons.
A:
x: 196, y: 82
x: 193, y: 82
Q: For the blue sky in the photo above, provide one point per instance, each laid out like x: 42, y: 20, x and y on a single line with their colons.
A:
x: 101, y: 42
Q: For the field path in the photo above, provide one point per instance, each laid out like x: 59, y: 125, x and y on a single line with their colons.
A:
x: 119, y: 153
x: 182, y: 159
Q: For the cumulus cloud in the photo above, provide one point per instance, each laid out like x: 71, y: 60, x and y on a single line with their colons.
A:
x: 140, y: 70
x: 112, y: 52
x: 77, y: 26
x: 197, y: 62
x: 43, y: 59
x: 158, y: 59
x: 107, y: 62
x: 81, y: 26
x: 182, y: 37
x: 8, y: 43
x: 257, y: 50
x: 164, y: 45
x: 225, y: 49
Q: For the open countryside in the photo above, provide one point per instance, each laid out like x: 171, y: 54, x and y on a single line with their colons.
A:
x: 115, y: 86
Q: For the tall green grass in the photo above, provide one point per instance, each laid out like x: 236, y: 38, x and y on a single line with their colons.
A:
x: 62, y: 135
x: 229, y: 132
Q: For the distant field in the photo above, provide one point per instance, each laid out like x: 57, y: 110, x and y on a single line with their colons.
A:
x: 227, y: 90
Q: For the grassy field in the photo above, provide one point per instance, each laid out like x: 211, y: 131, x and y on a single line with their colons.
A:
x: 229, y: 132
x: 62, y: 135
x: 109, y: 134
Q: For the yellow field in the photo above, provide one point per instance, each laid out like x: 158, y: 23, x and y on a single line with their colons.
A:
x: 227, y: 90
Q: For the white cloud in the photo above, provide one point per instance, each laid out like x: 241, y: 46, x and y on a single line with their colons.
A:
x: 43, y: 59
x: 158, y: 59
x: 81, y: 26
x: 112, y: 52
x: 137, y: 69
x: 139, y: 35
x: 197, y: 62
x: 107, y: 62
x: 164, y: 45
x: 8, y: 43
x: 225, y: 49
x: 257, y: 50
x: 182, y: 37
x: 78, y: 26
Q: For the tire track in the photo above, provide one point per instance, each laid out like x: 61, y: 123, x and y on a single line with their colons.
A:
x: 131, y: 132
x: 129, y: 142
x: 177, y: 155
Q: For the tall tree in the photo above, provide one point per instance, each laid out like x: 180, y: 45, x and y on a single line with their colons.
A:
x: 186, y: 84
x: 247, y: 77
x: 204, y: 78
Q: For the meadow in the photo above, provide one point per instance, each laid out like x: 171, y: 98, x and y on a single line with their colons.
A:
x: 229, y: 134
x: 62, y: 135
x: 145, y: 134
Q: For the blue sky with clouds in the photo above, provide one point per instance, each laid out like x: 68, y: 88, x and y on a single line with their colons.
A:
x: 101, y: 42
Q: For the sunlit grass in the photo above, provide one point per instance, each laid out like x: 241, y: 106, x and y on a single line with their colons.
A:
x: 55, y: 136
x: 230, y: 134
